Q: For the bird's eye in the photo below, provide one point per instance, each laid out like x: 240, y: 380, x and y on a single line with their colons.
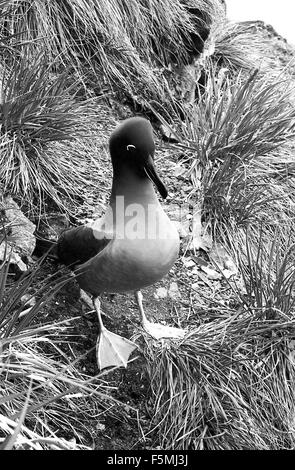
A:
x: 131, y: 147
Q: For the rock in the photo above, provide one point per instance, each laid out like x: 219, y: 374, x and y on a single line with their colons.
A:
x: 28, y: 300
x: 179, y: 215
x: 211, y: 273
x: 189, y: 263
x: 204, y: 279
x: 14, y: 258
x: 179, y: 170
x: 183, y: 229
x: 20, y: 242
x: 227, y: 273
x: 195, y: 271
x: 161, y: 293
x: 173, y: 291
x: 20, y: 228
x: 199, y: 261
x: 100, y: 427
x: 201, y: 237
x: 223, y: 260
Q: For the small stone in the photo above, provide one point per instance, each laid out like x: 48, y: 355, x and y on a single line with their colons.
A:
x: 14, y: 258
x: 211, y: 273
x: 173, y: 291
x: 188, y: 262
x: 195, y: 271
x: 161, y: 293
x: 183, y: 229
x: 20, y: 240
x: 100, y: 427
x: 179, y: 170
x: 27, y: 299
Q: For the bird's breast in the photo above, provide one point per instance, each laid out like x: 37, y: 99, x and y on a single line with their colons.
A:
x: 134, y: 259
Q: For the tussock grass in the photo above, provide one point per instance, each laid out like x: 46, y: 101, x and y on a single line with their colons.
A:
x: 156, y: 29
x: 239, y: 136
x: 38, y: 118
x: 126, y: 44
x: 266, y: 261
x: 230, y: 383
x: 242, y: 47
x: 124, y: 41
x: 46, y: 401
x: 238, y: 47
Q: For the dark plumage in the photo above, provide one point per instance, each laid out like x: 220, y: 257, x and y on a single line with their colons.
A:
x: 77, y: 245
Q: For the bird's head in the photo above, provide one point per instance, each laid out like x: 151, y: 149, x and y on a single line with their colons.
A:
x: 132, y: 147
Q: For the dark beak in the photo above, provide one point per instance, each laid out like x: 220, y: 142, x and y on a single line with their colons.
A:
x: 150, y: 170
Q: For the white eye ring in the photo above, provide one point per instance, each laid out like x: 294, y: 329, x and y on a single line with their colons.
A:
x: 130, y: 146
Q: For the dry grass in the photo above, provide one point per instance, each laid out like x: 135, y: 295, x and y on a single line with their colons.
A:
x: 238, y: 47
x: 124, y: 41
x: 39, y: 118
x: 37, y: 111
x: 46, y: 401
x: 230, y: 383
x: 239, y: 139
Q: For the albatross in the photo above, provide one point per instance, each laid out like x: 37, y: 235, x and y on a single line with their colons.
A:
x: 132, y: 246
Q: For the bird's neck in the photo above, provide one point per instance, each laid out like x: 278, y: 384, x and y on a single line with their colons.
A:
x: 134, y: 210
x: 133, y: 188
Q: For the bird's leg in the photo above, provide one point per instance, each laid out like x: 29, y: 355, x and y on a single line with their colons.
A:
x: 84, y: 297
x: 144, y: 321
x: 111, y: 349
x: 157, y: 330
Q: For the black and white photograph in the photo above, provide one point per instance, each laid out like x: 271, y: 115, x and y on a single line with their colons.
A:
x: 147, y: 228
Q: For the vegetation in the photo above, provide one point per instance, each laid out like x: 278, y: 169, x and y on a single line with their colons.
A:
x: 38, y: 115
x: 121, y: 41
x: 44, y: 394
x: 230, y: 383
x: 237, y: 48
x: 238, y: 134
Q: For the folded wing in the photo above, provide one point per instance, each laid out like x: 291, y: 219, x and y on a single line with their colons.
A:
x: 78, y: 245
